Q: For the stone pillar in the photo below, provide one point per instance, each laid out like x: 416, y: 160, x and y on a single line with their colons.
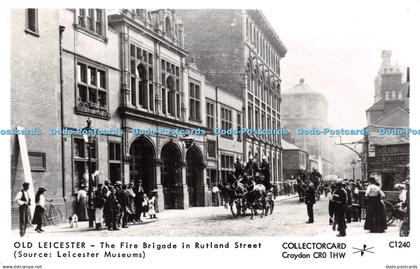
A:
x: 206, y: 194
x: 159, y: 187
x: 185, y: 196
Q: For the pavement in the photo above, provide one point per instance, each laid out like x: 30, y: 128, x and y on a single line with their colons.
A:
x: 288, y: 219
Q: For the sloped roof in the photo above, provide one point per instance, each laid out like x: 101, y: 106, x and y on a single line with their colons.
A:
x: 300, y: 88
x: 377, y: 106
x: 398, y: 111
x: 289, y: 146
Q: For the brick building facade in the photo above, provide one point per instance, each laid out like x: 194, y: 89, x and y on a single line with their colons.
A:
x: 239, y: 51
x: 127, y: 70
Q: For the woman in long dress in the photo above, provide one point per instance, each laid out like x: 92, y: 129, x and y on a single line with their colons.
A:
x: 375, y: 208
x: 38, y: 218
x: 81, y: 204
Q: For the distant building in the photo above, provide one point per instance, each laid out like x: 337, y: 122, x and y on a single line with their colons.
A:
x: 389, y: 154
x: 391, y: 90
x: 306, y: 108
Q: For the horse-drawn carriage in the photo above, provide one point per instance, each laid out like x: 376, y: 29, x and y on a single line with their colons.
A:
x: 247, y: 193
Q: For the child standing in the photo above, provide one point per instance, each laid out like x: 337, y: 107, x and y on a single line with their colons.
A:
x: 151, y: 203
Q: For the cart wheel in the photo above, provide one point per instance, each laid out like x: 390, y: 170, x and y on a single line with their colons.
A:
x: 389, y: 213
x: 235, y: 209
x: 404, y: 229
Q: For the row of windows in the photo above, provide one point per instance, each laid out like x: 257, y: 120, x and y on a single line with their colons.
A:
x: 259, y: 119
x: 80, y: 159
x: 393, y: 95
x: 263, y: 47
x: 91, y: 85
x: 226, y: 119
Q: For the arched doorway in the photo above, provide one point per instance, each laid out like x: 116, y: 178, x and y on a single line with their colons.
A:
x: 142, y: 166
x: 171, y: 176
x: 195, y: 177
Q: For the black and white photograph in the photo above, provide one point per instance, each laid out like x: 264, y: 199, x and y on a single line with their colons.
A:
x: 269, y: 122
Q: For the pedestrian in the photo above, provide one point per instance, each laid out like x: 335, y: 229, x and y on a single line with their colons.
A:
x: 24, y: 201
x: 310, y: 201
x: 125, y: 206
x: 38, y: 218
x: 215, y: 194
x: 82, y: 203
x: 131, y: 200
x: 99, y: 203
x: 349, y: 210
x: 139, y: 201
x: 340, y: 208
x: 152, y: 206
x: 119, y: 197
x: 331, y: 206
x: 110, y: 210
x: 357, y: 211
x: 375, y: 208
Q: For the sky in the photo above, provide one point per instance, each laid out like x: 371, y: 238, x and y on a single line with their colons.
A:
x: 336, y: 47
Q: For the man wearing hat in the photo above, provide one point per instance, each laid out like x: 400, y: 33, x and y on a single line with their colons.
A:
x: 24, y: 201
x: 340, y: 207
x: 139, y: 201
x: 310, y: 201
x: 119, y: 197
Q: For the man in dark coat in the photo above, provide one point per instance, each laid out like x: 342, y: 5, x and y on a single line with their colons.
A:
x: 349, y: 211
x: 24, y: 201
x: 248, y: 167
x: 125, y: 205
x: 110, y: 210
x: 310, y: 201
x: 340, y: 208
x: 239, y: 169
x: 265, y: 171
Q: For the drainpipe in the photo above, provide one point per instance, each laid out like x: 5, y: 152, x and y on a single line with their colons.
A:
x: 63, y: 166
x: 217, y: 137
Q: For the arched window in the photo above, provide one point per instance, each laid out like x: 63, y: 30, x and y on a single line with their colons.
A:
x: 141, y: 73
x: 168, y: 26
x: 141, y: 78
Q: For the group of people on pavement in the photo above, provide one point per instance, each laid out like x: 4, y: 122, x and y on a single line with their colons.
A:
x: 116, y: 205
x: 113, y: 205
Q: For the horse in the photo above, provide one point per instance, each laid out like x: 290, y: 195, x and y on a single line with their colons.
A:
x: 256, y: 198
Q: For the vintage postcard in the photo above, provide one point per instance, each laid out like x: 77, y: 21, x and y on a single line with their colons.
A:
x: 251, y: 134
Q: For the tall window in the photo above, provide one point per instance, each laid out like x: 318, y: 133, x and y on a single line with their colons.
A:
x: 226, y: 119
x: 195, y: 108
x: 91, y: 20
x: 92, y: 87
x: 80, y: 160
x: 114, y: 151
x: 211, y: 148
x: 226, y: 166
x: 171, y: 92
x: 239, y: 125
x: 141, y: 78
x: 210, y: 113
x: 32, y: 20
x: 257, y: 118
x: 250, y: 115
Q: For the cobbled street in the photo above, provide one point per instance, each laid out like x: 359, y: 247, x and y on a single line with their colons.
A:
x: 288, y: 219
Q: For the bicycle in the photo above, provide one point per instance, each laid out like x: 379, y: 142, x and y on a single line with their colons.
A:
x: 53, y: 214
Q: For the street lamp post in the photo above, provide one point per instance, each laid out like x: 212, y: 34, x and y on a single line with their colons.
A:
x: 353, y: 165
x: 88, y: 140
